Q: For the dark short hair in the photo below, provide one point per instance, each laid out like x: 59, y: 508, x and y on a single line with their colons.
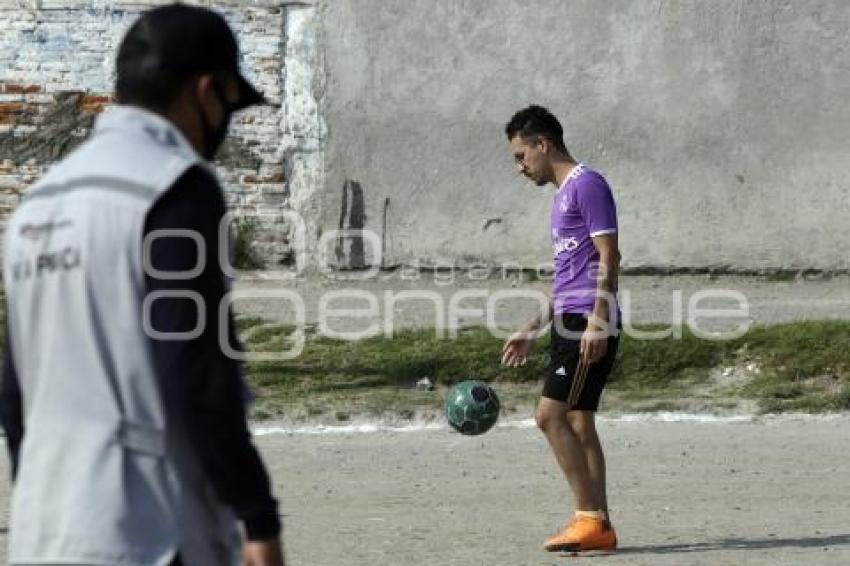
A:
x: 536, y: 121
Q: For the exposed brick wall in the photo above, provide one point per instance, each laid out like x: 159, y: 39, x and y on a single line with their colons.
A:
x: 56, y: 75
x: 36, y: 128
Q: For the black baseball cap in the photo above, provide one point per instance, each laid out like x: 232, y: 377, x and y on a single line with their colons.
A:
x: 178, y: 41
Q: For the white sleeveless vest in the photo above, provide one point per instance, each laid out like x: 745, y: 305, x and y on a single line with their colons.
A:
x: 106, y: 474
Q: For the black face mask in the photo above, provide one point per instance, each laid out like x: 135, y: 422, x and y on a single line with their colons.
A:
x: 214, y: 136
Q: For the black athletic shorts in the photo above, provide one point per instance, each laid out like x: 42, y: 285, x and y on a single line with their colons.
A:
x: 568, y: 380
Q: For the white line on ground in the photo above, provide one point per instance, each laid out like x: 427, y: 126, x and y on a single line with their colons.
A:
x: 378, y: 426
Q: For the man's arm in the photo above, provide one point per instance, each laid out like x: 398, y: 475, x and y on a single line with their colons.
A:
x: 11, y: 405
x: 594, y: 341
x: 203, y: 384
x: 606, y: 279
x: 599, y: 212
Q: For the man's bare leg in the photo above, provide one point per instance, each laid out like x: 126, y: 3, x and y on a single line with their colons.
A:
x: 583, y: 425
x: 570, y: 453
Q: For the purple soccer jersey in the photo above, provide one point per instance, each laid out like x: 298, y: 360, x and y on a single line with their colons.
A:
x: 582, y: 209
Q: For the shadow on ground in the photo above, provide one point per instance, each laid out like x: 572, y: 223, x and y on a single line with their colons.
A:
x: 738, y: 544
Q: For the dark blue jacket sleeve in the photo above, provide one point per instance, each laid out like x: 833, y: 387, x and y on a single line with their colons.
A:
x: 196, y: 375
x: 11, y: 410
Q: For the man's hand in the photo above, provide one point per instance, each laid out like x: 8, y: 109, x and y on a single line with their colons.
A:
x: 594, y: 344
x: 262, y: 553
x: 518, y: 346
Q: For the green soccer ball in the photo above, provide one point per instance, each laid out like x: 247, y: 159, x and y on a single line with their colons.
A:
x: 472, y: 407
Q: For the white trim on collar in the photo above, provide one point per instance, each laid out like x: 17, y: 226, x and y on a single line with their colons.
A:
x: 576, y: 172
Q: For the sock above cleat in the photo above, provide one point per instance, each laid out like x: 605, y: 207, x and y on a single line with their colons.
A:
x: 599, y: 515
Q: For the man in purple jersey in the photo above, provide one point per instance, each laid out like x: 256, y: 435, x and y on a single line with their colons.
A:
x: 584, y: 320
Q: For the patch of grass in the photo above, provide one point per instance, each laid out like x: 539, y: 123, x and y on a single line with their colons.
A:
x: 799, y: 367
x: 402, y: 360
x: 243, y: 323
x: 660, y: 363
x: 806, y: 366
x: 803, y: 399
x: 244, y: 234
x: 801, y: 348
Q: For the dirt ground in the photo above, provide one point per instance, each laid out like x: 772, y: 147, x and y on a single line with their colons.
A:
x: 772, y: 491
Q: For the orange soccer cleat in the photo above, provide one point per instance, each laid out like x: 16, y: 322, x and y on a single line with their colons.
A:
x: 583, y: 533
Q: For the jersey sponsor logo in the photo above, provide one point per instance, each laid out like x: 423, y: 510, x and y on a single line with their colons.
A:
x: 561, y: 245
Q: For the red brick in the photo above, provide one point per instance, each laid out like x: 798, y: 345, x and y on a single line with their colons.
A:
x: 95, y: 99
x: 255, y: 180
x: 11, y: 107
x: 93, y: 108
x: 94, y: 103
x: 20, y: 89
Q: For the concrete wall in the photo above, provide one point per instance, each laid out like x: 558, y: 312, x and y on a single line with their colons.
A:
x: 722, y: 125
